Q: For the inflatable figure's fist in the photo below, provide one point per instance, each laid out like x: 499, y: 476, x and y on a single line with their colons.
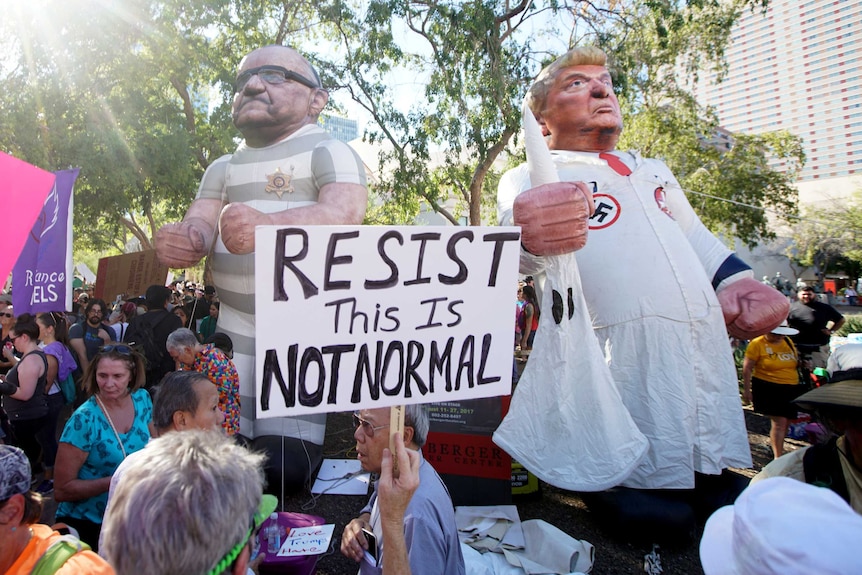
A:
x: 237, y: 227
x: 554, y: 218
x: 181, y: 244
x: 752, y: 308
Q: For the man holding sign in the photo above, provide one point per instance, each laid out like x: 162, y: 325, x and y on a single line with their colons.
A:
x: 288, y: 171
x: 430, y: 534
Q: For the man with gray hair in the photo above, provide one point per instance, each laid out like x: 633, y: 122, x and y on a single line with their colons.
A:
x: 430, y: 534
x: 164, y: 518
x: 185, y: 400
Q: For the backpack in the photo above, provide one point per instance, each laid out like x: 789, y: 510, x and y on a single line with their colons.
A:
x: 60, y: 551
x: 146, y: 345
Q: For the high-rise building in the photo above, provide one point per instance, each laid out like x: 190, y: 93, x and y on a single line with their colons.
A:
x: 797, y: 67
x: 342, y: 129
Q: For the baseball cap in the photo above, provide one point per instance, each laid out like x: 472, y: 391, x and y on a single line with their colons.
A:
x: 14, y: 472
x: 763, y: 532
x: 5, y: 298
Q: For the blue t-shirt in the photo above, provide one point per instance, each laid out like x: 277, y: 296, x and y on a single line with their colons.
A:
x: 89, y: 431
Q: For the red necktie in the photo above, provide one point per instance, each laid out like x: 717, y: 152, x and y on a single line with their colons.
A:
x: 615, y: 164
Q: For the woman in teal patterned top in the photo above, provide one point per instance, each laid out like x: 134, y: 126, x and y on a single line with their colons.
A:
x: 113, y: 423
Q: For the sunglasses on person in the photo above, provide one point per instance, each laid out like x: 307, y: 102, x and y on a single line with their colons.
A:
x: 367, y: 428
x: 121, y: 349
x: 267, y: 506
x: 6, y: 314
x: 272, y: 75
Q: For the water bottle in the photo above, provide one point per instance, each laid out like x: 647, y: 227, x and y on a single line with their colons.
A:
x: 273, y: 535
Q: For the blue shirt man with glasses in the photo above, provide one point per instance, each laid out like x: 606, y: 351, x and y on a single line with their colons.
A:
x: 430, y: 536
x: 288, y: 171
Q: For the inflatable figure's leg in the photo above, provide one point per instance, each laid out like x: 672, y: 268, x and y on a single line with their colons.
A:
x: 294, y: 445
x: 665, y: 516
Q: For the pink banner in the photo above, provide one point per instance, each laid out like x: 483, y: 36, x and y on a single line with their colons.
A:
x: 23, y: 189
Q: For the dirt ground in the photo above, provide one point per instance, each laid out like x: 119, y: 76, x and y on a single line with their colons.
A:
x: 558, y: 507
x: 561, y: 508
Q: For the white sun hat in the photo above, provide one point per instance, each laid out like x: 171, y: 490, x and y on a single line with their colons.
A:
x: 783, y: 526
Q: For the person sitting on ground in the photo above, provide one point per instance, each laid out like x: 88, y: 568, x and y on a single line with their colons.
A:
x: 183, y: 346
x: 770, y: 375
x: 183, y: 401
x: 782, y: 527
x: 112, y: 424
x: 429, y: 529
x: 836, y: 464
x: 163, y: 517
x: 25, y: 541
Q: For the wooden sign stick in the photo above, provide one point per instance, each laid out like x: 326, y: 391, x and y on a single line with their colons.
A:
x: 396, y: 425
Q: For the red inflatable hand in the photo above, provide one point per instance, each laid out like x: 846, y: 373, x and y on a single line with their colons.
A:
x: 554, y: 217
x: 752, y: 308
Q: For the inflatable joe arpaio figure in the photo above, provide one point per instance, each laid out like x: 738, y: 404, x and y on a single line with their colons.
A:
x: 288, y: 171
x: 661, y: 293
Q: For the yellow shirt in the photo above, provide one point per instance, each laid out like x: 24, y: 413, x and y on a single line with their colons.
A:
x: 81, y: 563
x: 773, y: 362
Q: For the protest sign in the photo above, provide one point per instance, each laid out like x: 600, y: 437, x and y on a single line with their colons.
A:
x: 355, y: 317
x: 311, y: 540
x: 129, y: 275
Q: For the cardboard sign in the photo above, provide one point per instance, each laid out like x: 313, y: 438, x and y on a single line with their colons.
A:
x: 129, y: 274
x: 355, y: 317
x: 312, y: 540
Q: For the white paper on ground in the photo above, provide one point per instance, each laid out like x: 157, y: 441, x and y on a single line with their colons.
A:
x: 341, y: 477
x: 309, y: 540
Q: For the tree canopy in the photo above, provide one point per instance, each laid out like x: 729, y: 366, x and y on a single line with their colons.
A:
x: 137, y: 93
x: 829, y: 238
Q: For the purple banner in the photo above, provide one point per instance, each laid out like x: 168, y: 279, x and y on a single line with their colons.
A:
x: 42, y: 277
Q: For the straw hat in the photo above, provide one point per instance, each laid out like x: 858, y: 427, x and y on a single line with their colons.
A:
x: 842, y: 394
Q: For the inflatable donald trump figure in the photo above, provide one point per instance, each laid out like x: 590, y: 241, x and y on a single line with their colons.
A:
x: 644, y: 308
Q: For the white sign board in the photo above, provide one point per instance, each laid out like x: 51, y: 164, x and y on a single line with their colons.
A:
x: 311, y: 540
x: 355, y: 317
